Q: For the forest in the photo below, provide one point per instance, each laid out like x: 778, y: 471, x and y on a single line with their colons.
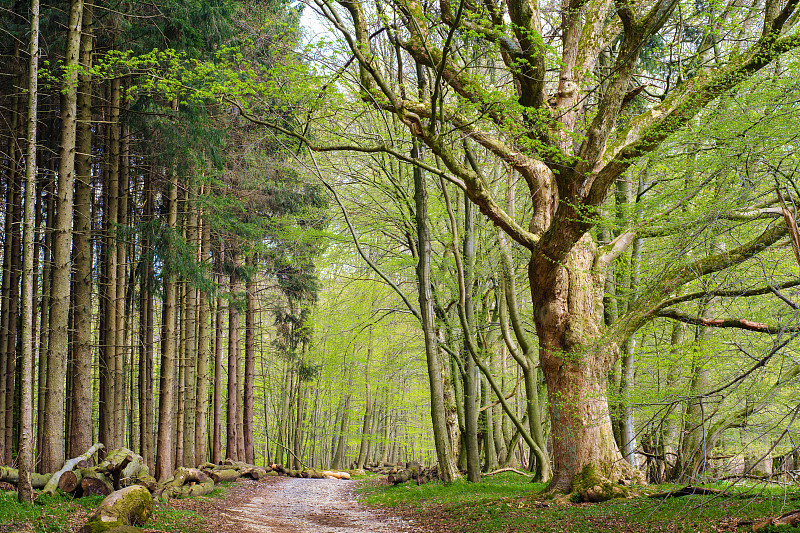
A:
x: 553, y: 236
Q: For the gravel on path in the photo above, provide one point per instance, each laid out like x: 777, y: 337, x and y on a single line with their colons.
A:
x: 282, y: 505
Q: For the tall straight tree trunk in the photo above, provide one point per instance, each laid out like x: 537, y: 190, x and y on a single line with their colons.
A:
x: 146, y: 335
x: 218, y: 353
x: 365, y: 426
x: 448, y: 469
x: 203, y: 345
x: 250, y: 364
x: 190, y: 400
x: 44, y: 321
x: 120, y: 303
x: 53, y: 454
x: 5, y: 455
x: 166, y: 395
x: 25, y: 455
x: 80, y: 438
x: 232, y: 436
x: 471, y: 376
x: 12, y: 383
x: 180, y: 405
x: 108, y: 346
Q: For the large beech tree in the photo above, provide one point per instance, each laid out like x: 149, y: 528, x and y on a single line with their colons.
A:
x: 557, y: 109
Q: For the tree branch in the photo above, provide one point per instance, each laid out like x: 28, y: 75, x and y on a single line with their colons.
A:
x: 738, y: 323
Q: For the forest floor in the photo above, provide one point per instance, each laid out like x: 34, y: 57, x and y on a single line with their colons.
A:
x: 282, y: 505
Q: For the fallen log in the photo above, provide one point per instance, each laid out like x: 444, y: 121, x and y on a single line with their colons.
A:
x: 412, y: 471
x: 188, y: 491
x: 70, y: 481
x: 52, y: 484
x: 792, y: 518
x: 11, y: 475
x: 688, y: 490
x: 94, y: 482
x: 131, y: 506
x: 509, y: 469
x: 333, y: 474
x: 228, y: 474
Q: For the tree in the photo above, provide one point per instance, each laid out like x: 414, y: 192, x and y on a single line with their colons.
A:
x: 570, y: 137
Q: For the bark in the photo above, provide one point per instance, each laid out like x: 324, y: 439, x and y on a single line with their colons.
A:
x: 108, y: 346
x: 471, y: 376
x: 146, y: 335
x: 25, y: 453
x: 52, y: 485
x: 218, y: 333
x: 367, y: 421
x: 120, y: 278
x: 567, y: 299
x: 53, y: 453
x: 190, y: 375
x: 203, y: 354
x: 11, y: 475
x: 41, y: 396
x: 232, y: 436
x: 180, y: 405
x: 6, y: 393
x: 249, y: 366
x: 164, y: 457
x: 447, y: 466
x: 80, y: 426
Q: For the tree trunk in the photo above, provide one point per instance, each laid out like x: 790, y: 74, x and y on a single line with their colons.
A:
x: 218, y: 333
x: 80, y: 437
x: 448, y: 470
x: 146, y: 334
x: 249, y: 366
x: 232, y: 437
x: 367, y: 422
x: 164, y: 457
x: 567, y: 300
x: 54, y: 453
x: 470, y: 371
x: 25, y: 455
x: 190, y: 384
x: 120, y: 278
x: 203, y: 345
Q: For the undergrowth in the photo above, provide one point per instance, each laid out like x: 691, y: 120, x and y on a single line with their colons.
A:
x: 509, y: 503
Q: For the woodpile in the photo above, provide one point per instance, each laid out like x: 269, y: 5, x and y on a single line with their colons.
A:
x: 402, y: 472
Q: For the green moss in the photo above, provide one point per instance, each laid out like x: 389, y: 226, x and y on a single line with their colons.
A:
x: 591, y: 486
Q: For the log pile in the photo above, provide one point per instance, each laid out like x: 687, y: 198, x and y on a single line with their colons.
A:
x: 402, y: 472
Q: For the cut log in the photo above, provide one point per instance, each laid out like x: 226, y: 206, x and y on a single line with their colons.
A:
x: 52, y: 485
x: 131, y: 506
x: 404, y: 475
x: 11, y: 475
x: 333, y: 474
x: 189, y: 491
x: 184, y: 475
x: 70, y: 481
x: 792, y: 518
x: 94, y: 482
x: 144, y: 479
x: 228, y: 474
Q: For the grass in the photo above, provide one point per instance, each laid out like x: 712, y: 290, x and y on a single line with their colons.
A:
x: 51, y: 514
x: 508, y: 503
x: 56, y: 514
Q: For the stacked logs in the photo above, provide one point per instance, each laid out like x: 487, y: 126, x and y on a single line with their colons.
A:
x: 310, y: 473
x: 402, y: 472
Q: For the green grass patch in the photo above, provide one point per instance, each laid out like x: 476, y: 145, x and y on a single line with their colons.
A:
x: 508, y: 503
x: 167, y: 519
x: 52, y: 514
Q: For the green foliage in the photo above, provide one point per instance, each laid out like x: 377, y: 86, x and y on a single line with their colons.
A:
x: 505, y: 503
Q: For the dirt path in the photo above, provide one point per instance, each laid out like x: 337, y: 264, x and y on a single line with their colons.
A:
x: 281, y: 505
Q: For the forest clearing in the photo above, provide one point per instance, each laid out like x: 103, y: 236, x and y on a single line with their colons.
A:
x: 518, y: 265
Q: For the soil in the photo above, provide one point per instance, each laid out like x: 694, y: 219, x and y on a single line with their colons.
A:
x: 283, y: 504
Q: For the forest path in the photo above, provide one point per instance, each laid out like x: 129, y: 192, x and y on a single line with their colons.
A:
x: 282, y: 504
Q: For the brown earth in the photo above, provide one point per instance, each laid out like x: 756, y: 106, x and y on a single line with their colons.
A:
x: 282, y: 505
